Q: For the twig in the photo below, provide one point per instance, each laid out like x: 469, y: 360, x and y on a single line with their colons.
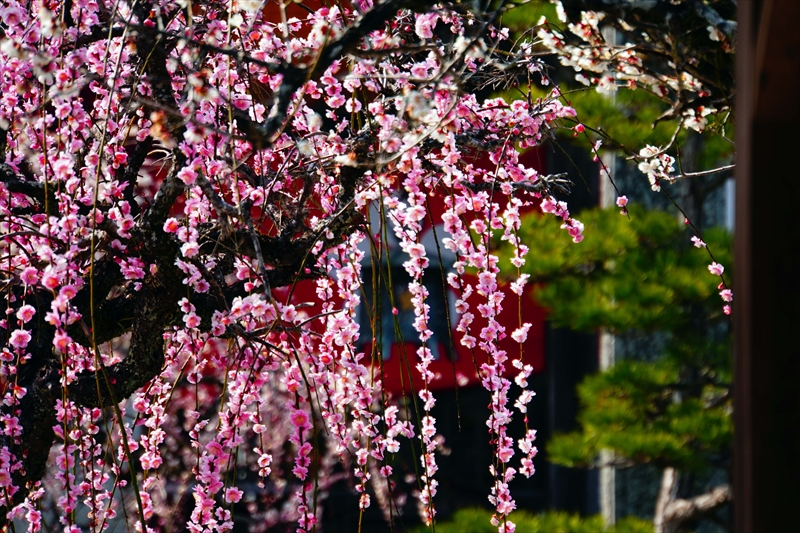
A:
x: 542, y: 184
x: 262, y: 268
x: 684, y: 175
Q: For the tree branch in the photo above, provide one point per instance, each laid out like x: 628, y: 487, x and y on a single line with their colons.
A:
x: 263, y: 135
x: 156, y: 308
x: 680, y: 511
x: 33, y: 189
x: 672, y: 512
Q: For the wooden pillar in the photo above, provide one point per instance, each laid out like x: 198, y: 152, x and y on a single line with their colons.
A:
x: 766, y: 472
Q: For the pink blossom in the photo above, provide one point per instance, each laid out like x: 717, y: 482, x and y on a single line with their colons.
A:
x: 425, y: 24
x: 288, y: 313
x: 300, y: 419
x: 132, y: 269
x: 521, y: 333
x: 300, y: 472
x: 185, y: 305
x: 12, y: 15
x: 233, y: 495
x: 468, y: 341
x: 518, y: 285
x: 190, y: 249
x: 29, y: 276
x: 505, y: 454
x: 191, y: 320
x: 171, y: 225
x: 575, y: 230
x: 698, y: 243
x: 364, y: 501
x: 264, y: 460
x: 68, y: 292
x: 26, y: 313
x: 19, y: 338
x: 507, y: 527
x: 187, y: 175
x: 150, y: 461
x: 527, y: 469
x: 50, y: 279
x: 716, y: 269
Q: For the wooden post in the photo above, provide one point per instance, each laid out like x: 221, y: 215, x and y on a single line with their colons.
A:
x: 767, y: 268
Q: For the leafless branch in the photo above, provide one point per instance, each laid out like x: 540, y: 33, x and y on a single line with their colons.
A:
x: 684, y: 175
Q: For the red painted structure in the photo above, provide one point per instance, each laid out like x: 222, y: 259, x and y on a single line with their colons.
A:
x: 454, y: 365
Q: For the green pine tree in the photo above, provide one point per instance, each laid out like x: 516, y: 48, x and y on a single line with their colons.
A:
x: 670, y: 405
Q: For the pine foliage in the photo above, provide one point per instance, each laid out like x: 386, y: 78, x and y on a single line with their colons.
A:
x: 668, y: 405
x: 473, y: 520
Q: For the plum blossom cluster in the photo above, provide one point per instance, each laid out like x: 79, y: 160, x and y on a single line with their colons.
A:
x: 717, y: 269
x: 408, y: 219
x: 488, y: 217
x: 724, y: 292
x: 184, y: 193
x: 656, y: 165
x: 608, y: 53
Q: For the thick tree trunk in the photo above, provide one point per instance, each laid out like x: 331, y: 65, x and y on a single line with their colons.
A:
x: 673, y: 512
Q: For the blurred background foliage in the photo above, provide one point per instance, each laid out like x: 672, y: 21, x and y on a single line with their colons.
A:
x: 636, y: 272
x: 639, y: 274
x: 667, y: 402
x: 478, y: 521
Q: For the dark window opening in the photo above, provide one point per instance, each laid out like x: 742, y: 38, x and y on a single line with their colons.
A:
x: 381, y: 310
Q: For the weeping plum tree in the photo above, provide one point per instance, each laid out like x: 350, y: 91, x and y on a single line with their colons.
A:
x: 170, y: 172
